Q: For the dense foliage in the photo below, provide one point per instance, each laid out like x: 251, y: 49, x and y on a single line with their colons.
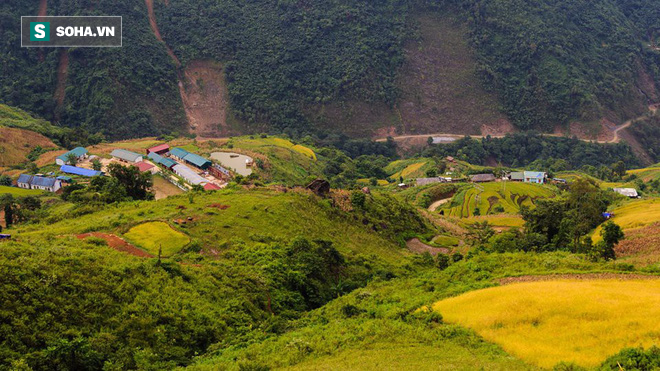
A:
x: 523, y: 149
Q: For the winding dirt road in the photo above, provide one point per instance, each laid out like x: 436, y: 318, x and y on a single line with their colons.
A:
x: 615, y: 130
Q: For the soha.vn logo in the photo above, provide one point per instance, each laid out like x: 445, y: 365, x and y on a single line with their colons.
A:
x: 39, y: 31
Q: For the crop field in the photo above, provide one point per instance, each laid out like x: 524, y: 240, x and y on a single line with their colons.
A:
x: 546, y: 322
x: 504, y: 221
x: 634, y: 214
x: 287, y: 144
x: 414, y: 168
x: 164, y: 189
x: 154, y: 235
x: 20, y: 191
x: 510, y: 196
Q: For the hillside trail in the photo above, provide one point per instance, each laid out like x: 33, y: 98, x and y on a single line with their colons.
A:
x: 202, y: 88
x: 434, y: 206
x: 615, y: 130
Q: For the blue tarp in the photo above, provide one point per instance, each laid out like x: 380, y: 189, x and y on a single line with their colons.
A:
x: 79, y: 171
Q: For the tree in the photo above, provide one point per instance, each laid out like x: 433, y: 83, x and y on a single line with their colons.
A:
x: 138, y: 184
x: 442, y: 261
x: 612, y: 233
x: 8, y: 203
x: 5, y: 180
x: 480, y: 232
x: 96, y: 164
x: 431, y: 173
x: 358, y: 199
x: 619, y: 169
x: 72, y: 159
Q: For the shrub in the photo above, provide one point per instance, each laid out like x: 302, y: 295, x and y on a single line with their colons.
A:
x: 442, y: 261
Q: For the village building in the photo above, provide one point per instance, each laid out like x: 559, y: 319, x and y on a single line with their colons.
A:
x: 628, y: 192
x: 178, y: 153
x: 80, y: 171
x: 126, y: 155
x: 188, y: 174
x: 211, y: 187
x: 517, y: 176
x: 483, y: 178
x: 161, y: 149
x: 536, y: 177
x: 145, y: 166
x: 168, y: 163
x: 80, y: 153
x: 43, y: 183
x: 220, y: 172
x: 197, y: 161
x: 65, y: 179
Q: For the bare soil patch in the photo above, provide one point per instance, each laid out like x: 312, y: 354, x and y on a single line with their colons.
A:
x: 117, y: 244
x: 205, y: 98
x: 62, y: 76
x: 419, y: 247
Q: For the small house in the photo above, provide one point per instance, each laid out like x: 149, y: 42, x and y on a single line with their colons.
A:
x: 179, y: 153
x: 517, y: 176
x: 65, y: 179
x: 79, y: 171
x: 126, y: 155
x: 211, y: 187
x: 628, y: 192
x: 39, y: 182
x: 161, y: 149
x: 80, y: 153
x: 536, y: 177
x: 145, y: 166
x: 482, y: 178
x: 197, y: 161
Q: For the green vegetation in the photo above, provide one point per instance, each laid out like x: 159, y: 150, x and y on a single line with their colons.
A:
x: 157, y: 238
x: 19, y: 191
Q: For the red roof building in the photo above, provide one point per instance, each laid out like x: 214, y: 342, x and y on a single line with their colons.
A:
x: 159, y: 149
x: 211, y: 187
x: 144, y: 166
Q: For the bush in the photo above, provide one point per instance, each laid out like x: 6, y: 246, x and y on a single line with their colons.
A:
x: 442, y: 261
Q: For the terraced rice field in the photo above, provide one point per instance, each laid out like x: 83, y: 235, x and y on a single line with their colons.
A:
x: 546, y: 322
x: 510, y: 196
x: 155, y: 235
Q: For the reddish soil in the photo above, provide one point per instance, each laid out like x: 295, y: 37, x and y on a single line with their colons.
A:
x: 580, y: 276
x: 43, y: 7
x: 62, y: 76
x: 154, y: 28
x: 417, y: 246
x: 498, y: 128
x: 118, y: 244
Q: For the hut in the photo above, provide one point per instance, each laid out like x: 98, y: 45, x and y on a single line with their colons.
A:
x: 80, y: 153
x: 126, y: 155
x: 161, y: 149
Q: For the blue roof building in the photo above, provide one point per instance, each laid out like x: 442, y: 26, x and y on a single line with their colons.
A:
x: 537, y: 177
x: 179, y: 153
x: 79, y: 171
x: 198, y: 161
x: 79, y: 152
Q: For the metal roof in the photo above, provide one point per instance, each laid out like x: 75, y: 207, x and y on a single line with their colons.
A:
x: 518, y: 175
x: 197, y: 160
x: 159, y: 148
x: 167, y: 162
x: 628, y: 192
x: 179, y: 152
x: 64, y: 178
x: 126, y: 155
x: 189, y: 174
x: 483, y: 178
x: 78, y: 151
x: 155, y: 156
x: 144, y: 166
x: 24, y: 178
x: 42, y: 181
x: 79, y: 171
x: 534, y: 174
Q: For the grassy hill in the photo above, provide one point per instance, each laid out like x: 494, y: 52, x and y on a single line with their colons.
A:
x: 20, y: 133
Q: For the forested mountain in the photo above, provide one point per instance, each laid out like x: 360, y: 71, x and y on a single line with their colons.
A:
x: 362, y: 67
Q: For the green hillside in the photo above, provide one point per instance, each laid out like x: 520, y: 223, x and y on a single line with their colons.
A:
x: 540, y: 63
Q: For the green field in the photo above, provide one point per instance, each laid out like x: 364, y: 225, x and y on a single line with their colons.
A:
x: 20, y: 191
x: 510, y: 196
x: 154, y: 236
x: 543, y: 323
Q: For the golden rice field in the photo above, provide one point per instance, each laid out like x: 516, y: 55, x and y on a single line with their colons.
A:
x: 511, y: 221
x: 296, y: 147
x: 546, y: 322
x: 154, y: 235
x: 634, y: 214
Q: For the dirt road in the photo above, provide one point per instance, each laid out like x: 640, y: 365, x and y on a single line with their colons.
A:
x: 434, y: 206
